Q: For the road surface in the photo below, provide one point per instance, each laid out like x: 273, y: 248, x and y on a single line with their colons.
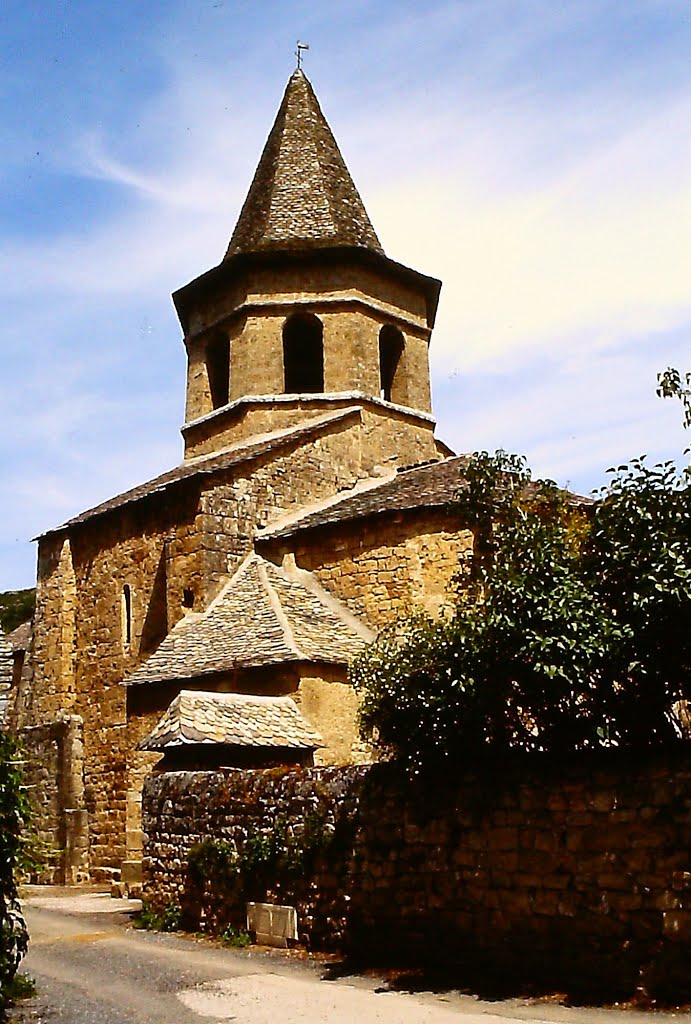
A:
x: 92, y: 967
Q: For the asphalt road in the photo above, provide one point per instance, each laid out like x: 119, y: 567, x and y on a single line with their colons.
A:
x: 92, y: 967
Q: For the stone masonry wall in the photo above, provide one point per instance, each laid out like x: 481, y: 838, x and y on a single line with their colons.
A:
x: 183, y: 542
x: 563, y: 878
x: 53, y: 773
x: 352, y: 303
x: 386, y: 568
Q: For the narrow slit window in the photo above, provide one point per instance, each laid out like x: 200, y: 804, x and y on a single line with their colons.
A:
x: 303, y: 355
x: 218, y: 370
x: 391, y: 343
x: 126, y: 615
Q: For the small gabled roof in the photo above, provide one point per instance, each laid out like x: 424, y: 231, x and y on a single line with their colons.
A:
x: 20, y: 637
x: 302, y: 195
x: 265, y: 615
x: 232, y: 719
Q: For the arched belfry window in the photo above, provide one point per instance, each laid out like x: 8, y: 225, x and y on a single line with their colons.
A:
x: 303, y: 354
x: 391, y: 342
x: 218, y: 370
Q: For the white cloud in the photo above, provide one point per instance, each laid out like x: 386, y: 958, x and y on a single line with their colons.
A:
x: 599, y: 254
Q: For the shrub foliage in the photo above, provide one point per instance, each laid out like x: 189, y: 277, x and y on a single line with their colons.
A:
x: 14, y: 812
x: 16, y: 606
x: 570, y: 627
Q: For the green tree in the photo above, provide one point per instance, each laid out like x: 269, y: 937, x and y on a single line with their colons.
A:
x: 673, y: 384
x: 570, y: 628
x: 14, y: 815
x: 16, y: 606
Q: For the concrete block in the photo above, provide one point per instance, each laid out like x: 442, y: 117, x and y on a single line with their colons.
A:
x: 272, y: 925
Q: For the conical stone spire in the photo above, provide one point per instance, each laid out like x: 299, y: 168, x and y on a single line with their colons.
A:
x: 302, y: 195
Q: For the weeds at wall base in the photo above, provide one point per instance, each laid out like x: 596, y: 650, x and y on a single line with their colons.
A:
x: 167, y: 920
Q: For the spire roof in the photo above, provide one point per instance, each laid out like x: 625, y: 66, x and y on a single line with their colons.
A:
x: 302, y: 195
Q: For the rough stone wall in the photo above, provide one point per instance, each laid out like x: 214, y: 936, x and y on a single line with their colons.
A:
x: 53, y: 648
x: 53, y: 773
x: 566, y: 878
x: 189, y: 539
x: 329, y: 702
x: 384, y: 569
x: 81, y: 653
x: 407, y: 438
x: 301, y: 283
x: 156, y: 551
x: 232, y: 509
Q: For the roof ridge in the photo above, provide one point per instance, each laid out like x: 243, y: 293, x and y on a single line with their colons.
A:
x: 220, y: 596
x: 278, y: 609
x: 242, y: 698
x: 287, y: 519
x: 309, y: 582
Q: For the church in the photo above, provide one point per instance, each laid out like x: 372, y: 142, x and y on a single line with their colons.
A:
x: 208, y: 616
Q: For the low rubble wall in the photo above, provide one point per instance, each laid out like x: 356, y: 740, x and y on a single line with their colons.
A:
x: 561, y: 878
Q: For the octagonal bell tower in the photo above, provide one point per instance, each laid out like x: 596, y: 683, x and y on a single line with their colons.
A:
x: 305, y: 313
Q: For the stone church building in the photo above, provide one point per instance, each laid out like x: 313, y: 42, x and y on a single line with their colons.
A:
x: 210, y: 615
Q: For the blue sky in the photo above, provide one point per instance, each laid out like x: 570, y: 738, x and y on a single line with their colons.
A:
x: 534, y: 155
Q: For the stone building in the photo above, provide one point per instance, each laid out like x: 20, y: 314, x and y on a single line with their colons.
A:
x: 311, y: 507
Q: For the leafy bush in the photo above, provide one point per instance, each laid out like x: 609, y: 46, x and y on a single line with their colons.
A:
x: 22, y: 986
x: 570, y: 628
x: 14, y: 815
x: 167, y: 920
x: 16, y: 606
x: 238, y: 938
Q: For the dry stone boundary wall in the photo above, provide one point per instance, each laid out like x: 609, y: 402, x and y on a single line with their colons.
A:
x: 560, y: 879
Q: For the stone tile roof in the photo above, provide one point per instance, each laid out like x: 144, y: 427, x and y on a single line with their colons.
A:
x: 302, y: 194
x: 5, y: 674
x: 5, y: 660
x: 434, y: 484
x: 430, y: 485
x: 235, y: 719
x: 263, y: 616
x: 251, y: 448
x: 20, y: 637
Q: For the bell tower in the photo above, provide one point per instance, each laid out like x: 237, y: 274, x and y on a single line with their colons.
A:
x: 305, y: 313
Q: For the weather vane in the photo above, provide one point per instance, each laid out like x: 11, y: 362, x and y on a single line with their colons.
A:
x: 298, y: 52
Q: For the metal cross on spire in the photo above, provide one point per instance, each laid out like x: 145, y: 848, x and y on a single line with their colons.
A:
x: 298, y: 52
